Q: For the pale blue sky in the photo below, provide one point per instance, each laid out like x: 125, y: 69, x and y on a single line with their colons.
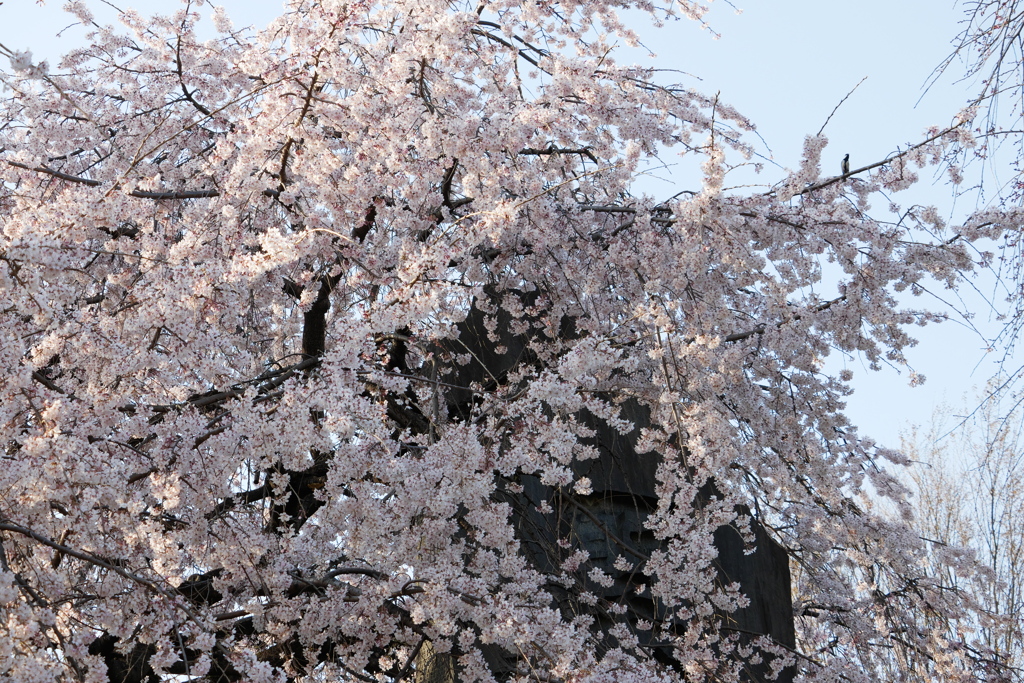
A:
x: 784, y: 64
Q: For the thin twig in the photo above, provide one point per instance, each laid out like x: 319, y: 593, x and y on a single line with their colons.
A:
x: 840, y: 104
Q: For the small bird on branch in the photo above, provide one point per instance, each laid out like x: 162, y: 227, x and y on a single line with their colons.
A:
x: 846, y: 165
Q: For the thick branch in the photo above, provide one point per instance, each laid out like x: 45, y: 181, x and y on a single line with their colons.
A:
x: 141, y: 194
x: 183, y: 194
x: 181, y: 80
x: 87, y: 557
x: 883, y: 162
x: 56, y: 174
x: 582, y: 151
x: 314, y: 323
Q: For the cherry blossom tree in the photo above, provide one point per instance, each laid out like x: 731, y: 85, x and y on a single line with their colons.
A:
x: 988, y: 55
x: 332, y: 352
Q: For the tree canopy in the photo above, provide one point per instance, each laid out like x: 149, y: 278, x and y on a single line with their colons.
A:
x: 249, y: 288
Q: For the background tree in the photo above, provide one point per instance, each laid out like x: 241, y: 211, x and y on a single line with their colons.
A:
x: 969, y: 489
x: 333, y: 350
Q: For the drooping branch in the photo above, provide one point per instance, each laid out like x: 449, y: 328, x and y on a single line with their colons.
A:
x: 97, y: 561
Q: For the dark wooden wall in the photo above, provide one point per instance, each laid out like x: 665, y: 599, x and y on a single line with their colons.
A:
x: 609, y: 522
